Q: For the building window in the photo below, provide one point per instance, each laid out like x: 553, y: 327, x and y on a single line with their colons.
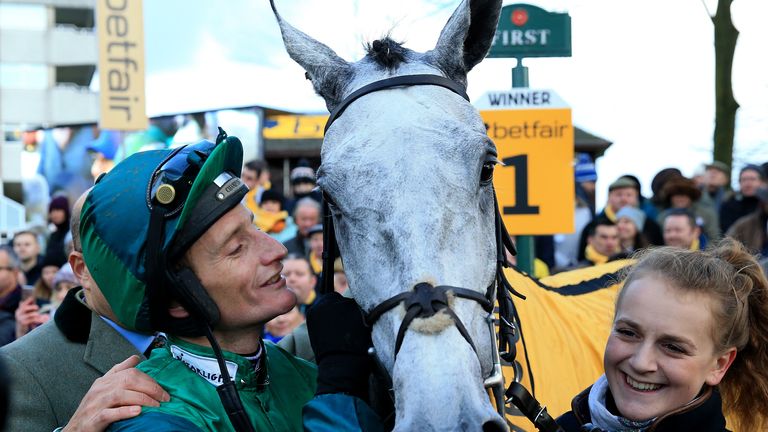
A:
x: 23, y: 76
x: 80, y: 18
x: 23, y: 17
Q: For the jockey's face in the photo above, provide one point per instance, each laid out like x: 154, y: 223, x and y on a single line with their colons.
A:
x: 240, y: 268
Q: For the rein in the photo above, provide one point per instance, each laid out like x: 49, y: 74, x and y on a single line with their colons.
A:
x: 426, y: 300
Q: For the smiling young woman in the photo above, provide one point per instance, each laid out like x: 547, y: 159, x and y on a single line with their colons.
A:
x: 689, y: 327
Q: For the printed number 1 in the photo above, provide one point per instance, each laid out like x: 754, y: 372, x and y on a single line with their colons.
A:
x: 521, y: 207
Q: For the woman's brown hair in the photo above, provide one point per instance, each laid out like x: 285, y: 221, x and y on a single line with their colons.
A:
x: 736, y: 283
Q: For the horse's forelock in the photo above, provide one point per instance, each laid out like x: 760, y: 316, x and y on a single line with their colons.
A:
x: 386, y: 52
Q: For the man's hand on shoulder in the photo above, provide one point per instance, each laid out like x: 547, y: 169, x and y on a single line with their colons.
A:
x: 116, y: 396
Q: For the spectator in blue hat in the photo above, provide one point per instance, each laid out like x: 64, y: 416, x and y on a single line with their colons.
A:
x: 567, y: 246
x: 586, y: 176
x: 104, y: 150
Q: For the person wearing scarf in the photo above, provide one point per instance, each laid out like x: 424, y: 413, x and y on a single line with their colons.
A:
x: 686, y: 348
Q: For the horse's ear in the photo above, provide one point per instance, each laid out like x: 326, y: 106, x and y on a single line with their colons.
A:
x: 328, y: 72
x: 466, y: 37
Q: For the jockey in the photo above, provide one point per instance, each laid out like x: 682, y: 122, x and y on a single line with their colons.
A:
x: 165, y: 236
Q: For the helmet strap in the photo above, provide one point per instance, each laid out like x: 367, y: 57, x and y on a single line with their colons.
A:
x: 230, y: 399
x: 182, y: 285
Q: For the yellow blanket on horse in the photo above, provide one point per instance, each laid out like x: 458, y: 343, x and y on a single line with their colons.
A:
x: 566, y: 320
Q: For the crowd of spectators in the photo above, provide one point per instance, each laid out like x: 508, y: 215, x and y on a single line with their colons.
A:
x: 34, y: 274
x: 684, y: 212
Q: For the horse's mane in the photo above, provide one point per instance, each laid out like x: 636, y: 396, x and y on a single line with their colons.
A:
x: 386, y: 52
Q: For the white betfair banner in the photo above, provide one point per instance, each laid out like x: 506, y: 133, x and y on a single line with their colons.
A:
x: 120, y: 25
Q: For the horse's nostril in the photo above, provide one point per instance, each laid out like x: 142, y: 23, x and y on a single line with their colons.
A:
x: 496, y: 425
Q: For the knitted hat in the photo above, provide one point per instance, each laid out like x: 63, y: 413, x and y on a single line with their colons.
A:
x: 584, y: 170
x: 634, y: 214
x: 155, y: 203
x: 65, y: 274
x: 59, y: 202
x: 302, y: 174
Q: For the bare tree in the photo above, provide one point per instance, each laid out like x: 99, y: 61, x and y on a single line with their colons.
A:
x: 726, y: 106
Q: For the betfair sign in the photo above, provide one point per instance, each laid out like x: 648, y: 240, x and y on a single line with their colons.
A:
x: 528, y: 31
x: 533, y: 133
x: 294, y: 126
x: 120, y: 26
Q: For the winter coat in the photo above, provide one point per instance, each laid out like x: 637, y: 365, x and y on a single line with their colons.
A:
x: 52, y: 367
x: 736, y: 208
x: 704, y: 415
x: 8, y: 306
x: 752, y: 230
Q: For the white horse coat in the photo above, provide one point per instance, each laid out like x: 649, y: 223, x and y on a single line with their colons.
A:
x: 405, y: 168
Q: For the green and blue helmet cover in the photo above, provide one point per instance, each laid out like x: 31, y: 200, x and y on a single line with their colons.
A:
x: 114, y: 223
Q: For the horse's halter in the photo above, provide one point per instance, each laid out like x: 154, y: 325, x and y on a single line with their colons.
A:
x: 425, y: 300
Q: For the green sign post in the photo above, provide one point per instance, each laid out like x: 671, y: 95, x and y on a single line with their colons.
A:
x: 529, y: 31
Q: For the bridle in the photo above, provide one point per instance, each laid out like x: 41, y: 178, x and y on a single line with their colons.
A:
x: 426, y: 300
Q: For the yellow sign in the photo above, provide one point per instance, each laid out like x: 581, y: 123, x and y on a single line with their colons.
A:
x: 533, y: 133
x: 294, y: 126
x: 120, y: 26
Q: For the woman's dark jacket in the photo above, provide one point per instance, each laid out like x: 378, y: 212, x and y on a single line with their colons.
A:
x: 704, y: 415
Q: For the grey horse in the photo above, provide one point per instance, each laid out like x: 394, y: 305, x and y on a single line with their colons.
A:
x: 408, y: 171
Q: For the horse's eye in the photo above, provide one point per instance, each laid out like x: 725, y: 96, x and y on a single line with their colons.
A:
x: 486, y: 174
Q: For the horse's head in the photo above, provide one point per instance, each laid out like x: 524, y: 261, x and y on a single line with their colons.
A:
x: 408, y: 172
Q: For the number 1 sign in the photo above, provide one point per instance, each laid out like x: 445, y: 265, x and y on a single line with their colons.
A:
x: 533, y: 133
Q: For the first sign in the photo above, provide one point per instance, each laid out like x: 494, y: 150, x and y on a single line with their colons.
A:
x: 529, y: 31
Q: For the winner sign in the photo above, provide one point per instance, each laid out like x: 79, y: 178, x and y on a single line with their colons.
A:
x: 533, y: 133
